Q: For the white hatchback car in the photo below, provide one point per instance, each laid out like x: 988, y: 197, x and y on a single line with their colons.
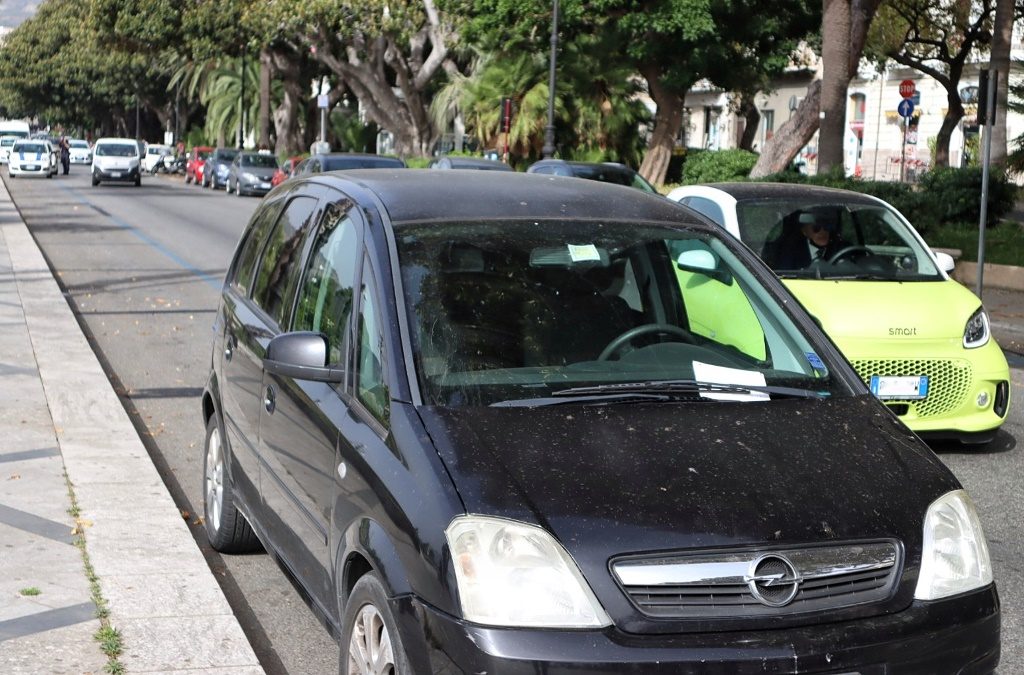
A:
x: 116, y: 159
x: 81, y: 152
x: 154, y: 153
x: 32, y: 157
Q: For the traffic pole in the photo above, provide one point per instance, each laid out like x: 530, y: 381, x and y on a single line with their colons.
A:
x: 986, y: 155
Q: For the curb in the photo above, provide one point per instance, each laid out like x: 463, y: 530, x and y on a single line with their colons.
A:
x: 161, y: 594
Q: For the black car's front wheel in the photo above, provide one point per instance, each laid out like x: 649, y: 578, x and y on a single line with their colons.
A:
x: 370, y: 643
x: 226, y: 528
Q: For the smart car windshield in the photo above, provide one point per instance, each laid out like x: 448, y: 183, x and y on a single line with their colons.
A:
x: 506, y: 311
x: 834, y: 240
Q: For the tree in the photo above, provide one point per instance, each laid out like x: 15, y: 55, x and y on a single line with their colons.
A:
x: 936, y: 37
x: 787, y: 141
x: 387, y: 53
x: 672, y: 44
x: 1002, y: 34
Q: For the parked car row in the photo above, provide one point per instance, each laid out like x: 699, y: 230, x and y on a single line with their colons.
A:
x: 529, y: 423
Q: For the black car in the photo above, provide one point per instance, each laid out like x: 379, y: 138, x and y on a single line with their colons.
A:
x: 478, y: 163
x: 498, y: 424
x: 251, y: 173
x: 605, y: 172
x: 338, y: 161
x: 217, y: 167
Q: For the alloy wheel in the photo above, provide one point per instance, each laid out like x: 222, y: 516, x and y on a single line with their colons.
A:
x: 369, y: 649
x: 214, y: 481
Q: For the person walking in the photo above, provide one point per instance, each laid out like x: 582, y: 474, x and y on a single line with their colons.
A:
x: 65, y: 154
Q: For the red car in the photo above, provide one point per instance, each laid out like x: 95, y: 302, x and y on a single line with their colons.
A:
x: 286, y: 170
x: 194, y: 167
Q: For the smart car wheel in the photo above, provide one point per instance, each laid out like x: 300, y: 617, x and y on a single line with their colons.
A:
x: 370, y: 643
x: 226, y: 528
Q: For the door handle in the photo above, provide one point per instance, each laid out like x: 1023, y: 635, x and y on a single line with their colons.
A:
x: 229, y: 347
x: 270, y: 400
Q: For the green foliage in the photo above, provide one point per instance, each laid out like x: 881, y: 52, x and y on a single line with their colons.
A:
x: 1004, y: 245
x: 417, y: 162
x: 351, y: 134
x: 717, y: 166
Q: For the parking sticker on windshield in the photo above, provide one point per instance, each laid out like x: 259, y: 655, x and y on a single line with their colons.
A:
x: 815, y: 361
x: 584, y: 253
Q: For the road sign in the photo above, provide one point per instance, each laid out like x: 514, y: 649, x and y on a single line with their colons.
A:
x: 905, y: 108
x: 323, y: 101
x: 907, y: 88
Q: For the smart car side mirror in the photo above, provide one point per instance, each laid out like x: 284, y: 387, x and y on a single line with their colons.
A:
x: 944, y: 260
x: 301, y: 355
x: 700, y: 261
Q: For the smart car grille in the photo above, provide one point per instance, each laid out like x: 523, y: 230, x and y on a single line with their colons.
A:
x: 753, y: 584
x: 948, y: 381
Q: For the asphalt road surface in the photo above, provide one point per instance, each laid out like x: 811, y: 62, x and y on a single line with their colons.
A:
x: 142, y: 268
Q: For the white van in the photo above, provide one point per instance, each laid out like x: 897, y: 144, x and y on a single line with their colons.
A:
x: 116, y: 159
x: 5, y: 147
x: 19, y: 128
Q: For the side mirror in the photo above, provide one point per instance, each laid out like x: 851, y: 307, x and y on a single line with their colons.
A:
x: 303, y: 356
x: 944, y: 260
x: 703, y: 262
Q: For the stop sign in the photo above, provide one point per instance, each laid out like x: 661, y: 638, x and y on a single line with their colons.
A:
x: 907, y: 88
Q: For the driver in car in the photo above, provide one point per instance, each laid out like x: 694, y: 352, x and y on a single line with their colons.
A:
x: 820, y: 240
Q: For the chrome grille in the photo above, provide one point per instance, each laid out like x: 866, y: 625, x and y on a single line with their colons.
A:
x: 718, y: 585
x: 948, y: 381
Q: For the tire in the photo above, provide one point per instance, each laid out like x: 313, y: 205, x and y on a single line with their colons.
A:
x: 49, y: 175
x: 95, y: 181
x: 226, y: 528
x: 367, y: 624
x: 188, y: 178
x: 138, y: 181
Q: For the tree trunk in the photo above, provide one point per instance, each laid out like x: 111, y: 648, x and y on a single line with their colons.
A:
x: 751, y: 120
x: 1001, y: 36
x: 286, y: 117
x: 835, y: 78
x: 791, y: 136
x: 954, y: 113
x: 667, y: 121
x: 263, y: 141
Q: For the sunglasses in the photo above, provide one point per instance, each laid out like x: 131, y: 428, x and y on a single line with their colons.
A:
x: 816, y: 228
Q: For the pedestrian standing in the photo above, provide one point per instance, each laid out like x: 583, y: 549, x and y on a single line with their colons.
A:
x: 65, y: 154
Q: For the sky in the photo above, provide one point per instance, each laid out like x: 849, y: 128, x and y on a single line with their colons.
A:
x: 13, y: 12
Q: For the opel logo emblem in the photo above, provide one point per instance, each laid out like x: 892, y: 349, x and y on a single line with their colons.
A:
x: 772, y: 580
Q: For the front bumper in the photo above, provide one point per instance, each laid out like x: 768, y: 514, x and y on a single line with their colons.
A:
x: 257, y: 187
x: 955, y: 635
x: 965, y: 395
x: 125, y: 175
x: 26, y: 169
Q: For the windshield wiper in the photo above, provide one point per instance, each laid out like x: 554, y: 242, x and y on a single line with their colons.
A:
x: 602, y: 398
x: 678, y: 387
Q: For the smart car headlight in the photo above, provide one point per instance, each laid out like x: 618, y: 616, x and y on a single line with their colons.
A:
x: 976, y: 332
x: 954, y: 558
x: 516, y: 574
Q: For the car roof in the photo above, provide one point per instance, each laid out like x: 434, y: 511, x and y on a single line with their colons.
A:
x: 119, y: 141
x: 758, y: 190
x: 466, y: 194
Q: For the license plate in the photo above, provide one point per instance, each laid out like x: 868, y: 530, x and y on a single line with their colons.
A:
x: 264, y: 186
x: 31, y: 167
x: 115, y: 174
x: 887, y: 387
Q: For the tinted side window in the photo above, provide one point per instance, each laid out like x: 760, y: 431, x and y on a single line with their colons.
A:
x: 257, y: 235
x: 326, y: 294
x: 708, y: 208
x: 371, y: 388
x: 279, y: 266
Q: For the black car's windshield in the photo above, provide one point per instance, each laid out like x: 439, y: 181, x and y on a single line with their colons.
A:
x: 815, y: 238
x: 259, y: 161
x: 116, y: 150
x: 508, y: 311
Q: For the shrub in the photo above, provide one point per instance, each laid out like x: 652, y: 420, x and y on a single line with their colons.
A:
x: 954, y: 195
x: 716, y: 166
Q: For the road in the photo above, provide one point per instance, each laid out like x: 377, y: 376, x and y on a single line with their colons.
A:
x: 142, y: 269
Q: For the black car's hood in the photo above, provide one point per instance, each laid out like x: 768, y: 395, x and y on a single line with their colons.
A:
x: 610, y: 480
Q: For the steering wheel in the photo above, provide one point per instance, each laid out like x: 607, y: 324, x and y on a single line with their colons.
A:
x: 847, y: 252
x: 625, y: 338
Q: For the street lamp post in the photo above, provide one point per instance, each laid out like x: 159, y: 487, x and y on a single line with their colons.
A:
x: 549, y: 130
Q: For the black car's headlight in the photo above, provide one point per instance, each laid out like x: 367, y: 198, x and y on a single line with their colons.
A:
x: 976, y: 332
x: 955, y: 556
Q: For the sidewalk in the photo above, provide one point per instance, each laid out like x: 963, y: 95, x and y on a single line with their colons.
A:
x: 60, y: 417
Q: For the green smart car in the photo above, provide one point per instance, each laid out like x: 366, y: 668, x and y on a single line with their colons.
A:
x: 920, y: 340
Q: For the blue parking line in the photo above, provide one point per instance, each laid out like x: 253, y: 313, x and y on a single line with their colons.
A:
x: 214, y: 282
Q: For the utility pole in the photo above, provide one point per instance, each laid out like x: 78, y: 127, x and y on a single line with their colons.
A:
x: 549, y: 130
x: 241, y: 103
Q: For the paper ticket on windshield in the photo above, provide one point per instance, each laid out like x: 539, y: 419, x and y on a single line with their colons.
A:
x: 705, y: 372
